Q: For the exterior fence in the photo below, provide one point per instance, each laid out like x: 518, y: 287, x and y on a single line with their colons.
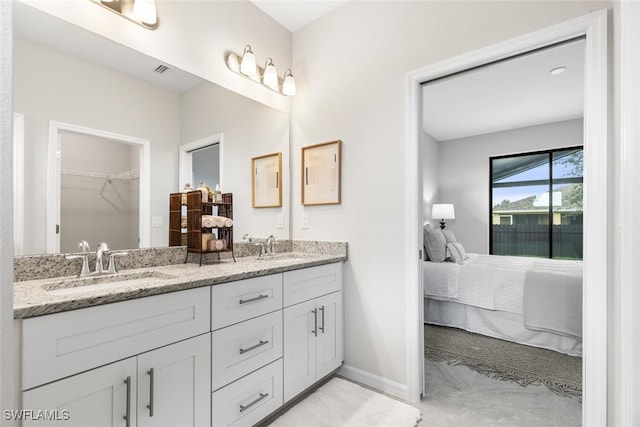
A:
x: 533, y: 240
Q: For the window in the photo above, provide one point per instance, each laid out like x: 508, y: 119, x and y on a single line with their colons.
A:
x: 536, y: 204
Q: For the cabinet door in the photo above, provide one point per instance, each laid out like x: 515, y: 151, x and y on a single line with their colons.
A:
x: 329, y: 348
x: 299, y: 348
x: 95, y: 398
x: 174, y: 384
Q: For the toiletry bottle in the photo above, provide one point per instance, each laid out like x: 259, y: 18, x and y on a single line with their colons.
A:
x: 187, y: 188
x: 205, y: 194
x: 217, y: 195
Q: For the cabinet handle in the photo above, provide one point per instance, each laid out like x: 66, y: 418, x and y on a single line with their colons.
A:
x: 315, y: 322
x: 258, y: 399
x: 253, y: 347
x: 150, y: 405
x: 322, y: 327
x: 127, y: 416
x: 259, y: 297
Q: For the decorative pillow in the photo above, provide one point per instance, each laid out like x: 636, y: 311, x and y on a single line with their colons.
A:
x: 435, y: 245
x: 449, y: 236
x: 456, y: 252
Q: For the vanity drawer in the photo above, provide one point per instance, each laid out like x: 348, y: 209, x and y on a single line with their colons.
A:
x: 242, y: 348
x: 309, y: 283
x: 250, y: 399
x: 58, y: 345
x: 234, y: 302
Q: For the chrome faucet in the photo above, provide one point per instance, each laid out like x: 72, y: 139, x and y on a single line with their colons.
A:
x: 271, y: 245
x: 102, y: 248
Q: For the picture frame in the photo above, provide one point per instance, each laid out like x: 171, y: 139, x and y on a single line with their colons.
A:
x: 321, y: 173
x: 266, y: 181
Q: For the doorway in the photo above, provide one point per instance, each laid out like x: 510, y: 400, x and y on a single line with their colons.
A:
x: 104, y: 175
x: 594, y: 28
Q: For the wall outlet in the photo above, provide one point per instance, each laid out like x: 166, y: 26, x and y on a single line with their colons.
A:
x: 280, y: 221
x: 305, y: 220
x: 156, y: 221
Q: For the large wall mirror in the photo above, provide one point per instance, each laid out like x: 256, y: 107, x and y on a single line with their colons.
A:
x: 67, y: 77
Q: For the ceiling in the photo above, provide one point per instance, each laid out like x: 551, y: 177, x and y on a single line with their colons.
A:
x: 509, y: 94
x: 295, y: 14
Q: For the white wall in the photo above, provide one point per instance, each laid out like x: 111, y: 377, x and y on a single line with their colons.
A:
x: 351, y: 86
x: 79, y: 92
x: 430, y: 159
x: 464, y: 172
x: 249, y: 129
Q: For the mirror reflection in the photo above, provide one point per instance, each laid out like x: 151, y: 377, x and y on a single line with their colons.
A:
x: 67, y: 76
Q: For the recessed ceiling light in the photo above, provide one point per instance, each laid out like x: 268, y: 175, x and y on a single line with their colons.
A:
x: 557, y: 70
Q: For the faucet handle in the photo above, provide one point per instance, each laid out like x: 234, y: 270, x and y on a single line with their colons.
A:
x: 84, y: 271
x: 84, y: 246
x: 112, y: 262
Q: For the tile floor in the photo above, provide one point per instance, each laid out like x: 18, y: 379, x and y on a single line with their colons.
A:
x: 457, y: 396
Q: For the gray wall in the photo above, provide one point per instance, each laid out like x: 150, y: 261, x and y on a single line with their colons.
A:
x: 464, y: 173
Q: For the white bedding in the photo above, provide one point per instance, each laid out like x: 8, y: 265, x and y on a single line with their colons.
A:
x: 497, y: 284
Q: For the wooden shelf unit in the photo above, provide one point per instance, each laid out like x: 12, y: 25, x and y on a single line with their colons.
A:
x: 196, y: 208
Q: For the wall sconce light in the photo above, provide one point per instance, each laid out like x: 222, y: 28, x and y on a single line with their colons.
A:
x: 141, y: 12
x: 267, y: 76
x: 443, y: 211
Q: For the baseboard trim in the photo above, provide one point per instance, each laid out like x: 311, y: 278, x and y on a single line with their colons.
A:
x: 374, y: 381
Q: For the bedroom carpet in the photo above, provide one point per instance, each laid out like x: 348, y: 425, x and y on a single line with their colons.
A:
x: 342, y: 403
x: 505, y: 360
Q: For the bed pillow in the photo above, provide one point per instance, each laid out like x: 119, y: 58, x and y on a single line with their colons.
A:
x: 449, y: 236
x: 435, y: 245
x: 456, y: 252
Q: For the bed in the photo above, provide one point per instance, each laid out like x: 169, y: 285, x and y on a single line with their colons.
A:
x: 532, y: 301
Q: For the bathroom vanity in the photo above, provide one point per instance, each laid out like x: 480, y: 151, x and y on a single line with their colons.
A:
x: 217, y: 345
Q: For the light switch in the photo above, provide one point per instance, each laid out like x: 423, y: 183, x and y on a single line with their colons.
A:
x: 156, y: 221
x: 305, y: 220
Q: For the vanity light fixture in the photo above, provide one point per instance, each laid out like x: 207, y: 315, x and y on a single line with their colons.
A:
x: 141, y: 12
x: 268, y: 76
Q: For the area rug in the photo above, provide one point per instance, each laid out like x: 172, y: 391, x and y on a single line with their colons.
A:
x: 505, y: 360
x: 341, y: 403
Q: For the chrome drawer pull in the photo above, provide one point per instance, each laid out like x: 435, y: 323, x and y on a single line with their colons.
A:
x: 322, y: 327
x: 262, y: 396
x: 150, y: 372
x: 259, y: 297
x: 253, y: 347
x: 315, y: 322
x: 127, y: 416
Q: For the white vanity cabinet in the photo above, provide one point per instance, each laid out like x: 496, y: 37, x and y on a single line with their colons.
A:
x: 143, y: 362
x: 313, y: 340
x: 164, y: 387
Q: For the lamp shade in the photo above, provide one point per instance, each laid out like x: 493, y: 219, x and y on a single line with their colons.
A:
x: 270, y: 77
x: 145, y: 11
x: 289, y: 83
x: 248, y: 63
x: 443, y: 211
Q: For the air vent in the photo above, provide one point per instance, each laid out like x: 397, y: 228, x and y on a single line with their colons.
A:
x: 161, y: 69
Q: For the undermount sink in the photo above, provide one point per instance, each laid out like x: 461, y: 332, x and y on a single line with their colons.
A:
x: 97, y: 283
x: 285, y: 256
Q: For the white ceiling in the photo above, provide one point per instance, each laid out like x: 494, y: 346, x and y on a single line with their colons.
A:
x: 295, y: 14
x: 510, y: 94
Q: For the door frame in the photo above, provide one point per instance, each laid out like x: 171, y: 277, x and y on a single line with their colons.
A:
x: 186, y: 151
x: 53, y: 181
x: 593, y: 27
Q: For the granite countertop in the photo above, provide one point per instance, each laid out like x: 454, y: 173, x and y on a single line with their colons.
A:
x: 35, y: 298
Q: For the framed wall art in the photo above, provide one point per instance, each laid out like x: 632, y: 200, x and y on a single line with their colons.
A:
x: 321, y: 173
x: 266, y: 181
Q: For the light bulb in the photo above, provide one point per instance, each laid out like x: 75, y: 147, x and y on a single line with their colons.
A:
x: 248, y: 63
